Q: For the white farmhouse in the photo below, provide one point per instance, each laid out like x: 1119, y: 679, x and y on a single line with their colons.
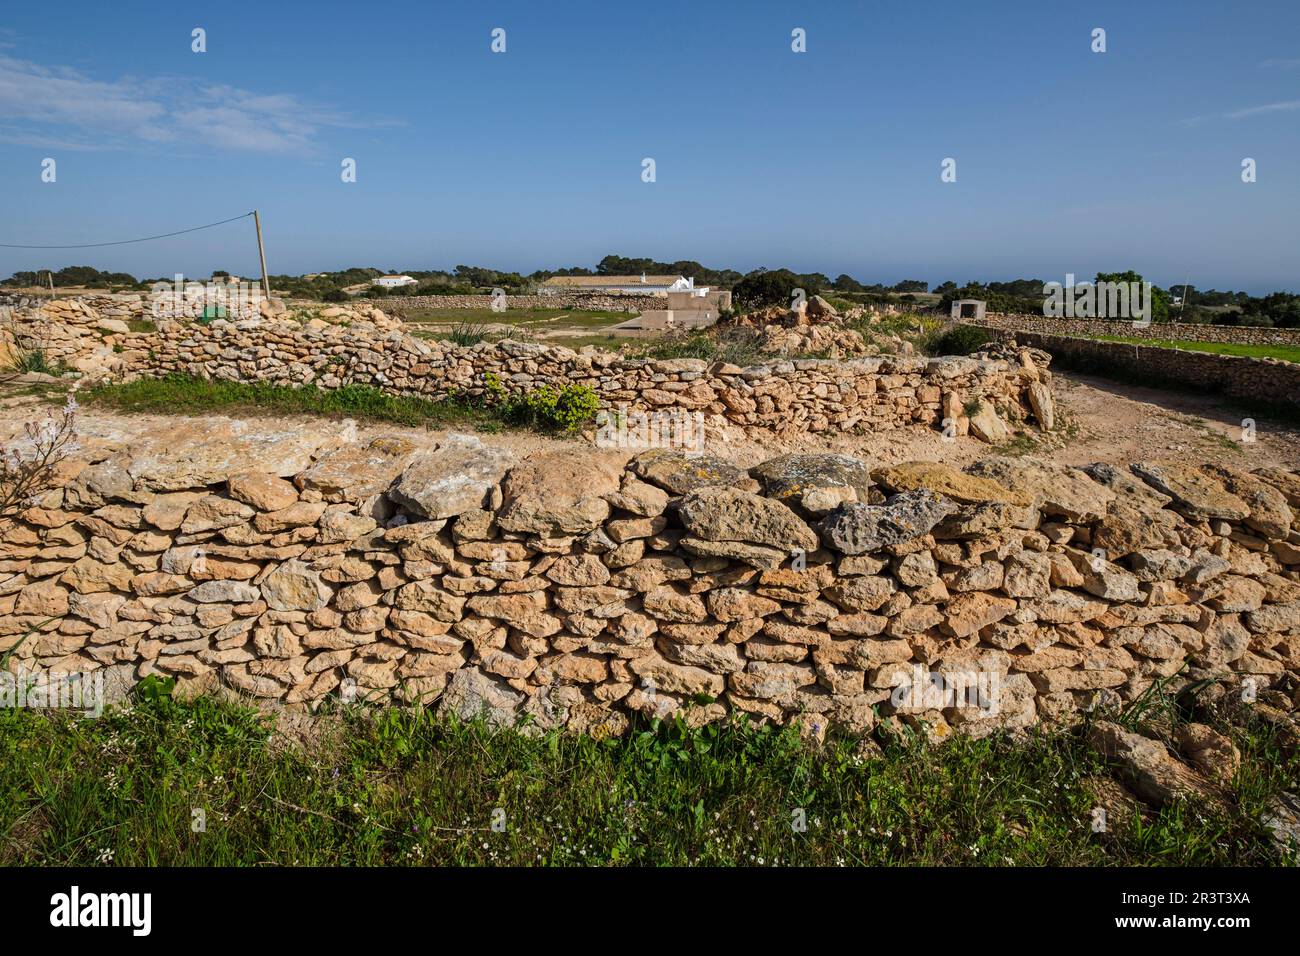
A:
x: 622, y: 285
x: 393, y: 282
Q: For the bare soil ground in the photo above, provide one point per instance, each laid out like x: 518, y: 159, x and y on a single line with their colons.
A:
x: 1101, y: 421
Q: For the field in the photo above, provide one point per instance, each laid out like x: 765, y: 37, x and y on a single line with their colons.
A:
x: 207, y: 782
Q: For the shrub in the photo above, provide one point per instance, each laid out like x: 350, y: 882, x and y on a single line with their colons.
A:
x: 774, y: 287
x: 565, y: 409
x: 334, y: 295
x: 959, y: 340
x: 33, y: 360
x: 27, y: 468
x: 468, y: 333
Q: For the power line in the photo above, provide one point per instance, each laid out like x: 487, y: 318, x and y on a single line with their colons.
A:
x: 124, y: 242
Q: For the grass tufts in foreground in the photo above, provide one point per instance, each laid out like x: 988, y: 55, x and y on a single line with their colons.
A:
x: 403, y: 787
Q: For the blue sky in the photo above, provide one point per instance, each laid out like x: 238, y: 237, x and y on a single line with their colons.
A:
x: 1067, y: 160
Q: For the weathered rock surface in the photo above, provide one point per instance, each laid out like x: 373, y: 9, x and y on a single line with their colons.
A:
x: 679, y: 473
x: 358, y: 471
x: 814, y: 484
x: 1055, y: 489
x: 726, y: 514
x: 456, y: 476
x: 558, y: 493
x: 860, y: 529
x: 1193, y: 491
x: 947, y: 481
x: 1153, y: 773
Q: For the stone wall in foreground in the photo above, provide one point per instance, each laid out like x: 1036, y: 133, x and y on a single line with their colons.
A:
x: 576, y: 590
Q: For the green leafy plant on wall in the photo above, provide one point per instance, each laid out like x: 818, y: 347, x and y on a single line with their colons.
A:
x: 566, y: 408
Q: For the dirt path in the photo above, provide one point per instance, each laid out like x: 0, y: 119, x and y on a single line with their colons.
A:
x: 1103, y: 421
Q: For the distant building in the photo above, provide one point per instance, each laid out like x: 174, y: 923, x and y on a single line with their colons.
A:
x: 393, y: 282
x: 621, y: 285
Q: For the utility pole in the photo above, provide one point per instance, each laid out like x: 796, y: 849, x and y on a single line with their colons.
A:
x: 261, y: 252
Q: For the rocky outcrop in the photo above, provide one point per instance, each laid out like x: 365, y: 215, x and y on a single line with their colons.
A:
x: 577, y: 589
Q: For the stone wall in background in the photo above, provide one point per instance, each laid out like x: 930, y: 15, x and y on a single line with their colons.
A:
x: 69, y: 332
x: 567, y: 300
x: 1257, y: 381
x: 360, y: 344
x: 782, y: 398
x: 576, y: 588
x: 1124, y: 328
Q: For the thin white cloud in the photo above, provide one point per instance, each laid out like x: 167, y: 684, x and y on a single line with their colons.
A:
x: 1280, y: 107
x: 58, y: 106
x: 1286, y: 63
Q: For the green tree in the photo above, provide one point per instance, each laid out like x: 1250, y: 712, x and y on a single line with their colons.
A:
x: 1159, y: 296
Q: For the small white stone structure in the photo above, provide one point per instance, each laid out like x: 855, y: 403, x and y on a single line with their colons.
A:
x: 968, y: 309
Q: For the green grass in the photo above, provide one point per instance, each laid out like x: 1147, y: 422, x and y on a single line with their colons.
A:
x: 186, y: 395
x: 34, y: 360
x: 1287, y: 353
x: 405, y: 787
x: 180, y: 394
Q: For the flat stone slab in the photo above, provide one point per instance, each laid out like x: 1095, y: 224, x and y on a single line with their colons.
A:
x: 1193, y: 491
x: 455, y: 477
x: 191, y: 455
x: 729, y: 514
x: 862, y: 529
x: 815, y: 483
x: 559, y: 492
x: 1055, y: 489
x: 679, y: 473
x: 947, y: 481
x: 358, y: 470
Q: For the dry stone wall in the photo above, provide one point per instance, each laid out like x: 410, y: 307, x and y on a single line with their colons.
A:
x: 783, y: 397
x: 1259, y: 381
x: 577, y: 589
x: 587, y: 301
x: 1177, y: 331
x: 362, y: 345
x: 69, y: 332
